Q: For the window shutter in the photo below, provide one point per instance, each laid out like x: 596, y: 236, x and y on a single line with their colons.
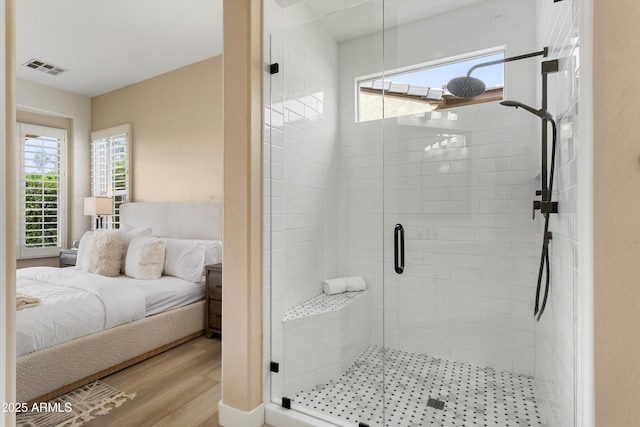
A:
x: 41, y: 190
x: 110, y: 168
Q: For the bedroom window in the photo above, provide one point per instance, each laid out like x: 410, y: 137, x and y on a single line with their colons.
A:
x: 42, y: 191
x: 110, y: 156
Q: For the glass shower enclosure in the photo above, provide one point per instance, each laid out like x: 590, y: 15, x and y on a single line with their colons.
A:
x: 402, y: 257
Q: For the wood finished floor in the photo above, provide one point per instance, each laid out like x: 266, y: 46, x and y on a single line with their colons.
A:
x: 180, y: 387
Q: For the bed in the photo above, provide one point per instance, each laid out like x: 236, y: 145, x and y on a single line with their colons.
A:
x: 147, y: 319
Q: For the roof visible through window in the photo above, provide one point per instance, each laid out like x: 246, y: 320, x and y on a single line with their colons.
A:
x: 423, y: 88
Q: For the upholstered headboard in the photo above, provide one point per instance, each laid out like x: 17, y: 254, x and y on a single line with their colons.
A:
x: 180, y: 220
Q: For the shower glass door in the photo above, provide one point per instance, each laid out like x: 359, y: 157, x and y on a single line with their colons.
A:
x: 459, y: 180
x: 325, y: 213
x: 462, y: 252
x: 403, y: 257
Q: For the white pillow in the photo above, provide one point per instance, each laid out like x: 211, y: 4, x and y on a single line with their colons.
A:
x: 82, y: 248
x: 128, y: 232
x: 184, y: 258
x: 145, y: 258
x: 212, y: 251
x: 103, y: 253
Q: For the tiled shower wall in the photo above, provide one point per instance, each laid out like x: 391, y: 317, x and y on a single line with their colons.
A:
x: 471, y: 246
x: 323, y: 337
x: 301, y: 164
x: 310, y: 160
x: 558, y: 28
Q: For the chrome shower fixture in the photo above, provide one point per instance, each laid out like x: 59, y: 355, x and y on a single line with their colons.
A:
x: 470, y: 87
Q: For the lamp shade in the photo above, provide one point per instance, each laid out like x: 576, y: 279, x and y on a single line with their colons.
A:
x: 98, y: 206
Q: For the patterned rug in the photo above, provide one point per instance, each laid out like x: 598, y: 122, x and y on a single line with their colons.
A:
x: 74, y: 408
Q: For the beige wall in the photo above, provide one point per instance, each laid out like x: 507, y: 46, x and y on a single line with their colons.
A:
x: 617, y: 212
x: 176, y: 123
x: 45, y: 120
x: 242, y: 310
x: 8, y: 211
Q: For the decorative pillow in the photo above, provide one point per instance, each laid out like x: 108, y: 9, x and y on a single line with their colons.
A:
x: 103, y: 253
x: 82, y: 248
x: 184, y: 258
x: 145, y: 258
x: 128, y: 232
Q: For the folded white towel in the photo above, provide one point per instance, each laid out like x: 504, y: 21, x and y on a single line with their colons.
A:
x: 356, y: 283
x: 343, y: 284
x: 334, y: 286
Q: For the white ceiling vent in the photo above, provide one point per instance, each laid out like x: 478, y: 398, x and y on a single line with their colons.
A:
x: 45, y: 67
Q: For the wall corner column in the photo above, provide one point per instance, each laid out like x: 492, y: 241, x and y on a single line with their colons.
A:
x: 7, y: 207
x: 241, y: 404
x: 616, y: 231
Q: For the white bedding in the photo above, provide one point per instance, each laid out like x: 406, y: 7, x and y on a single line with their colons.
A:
x: 167, y: 293
x: 75, y: 303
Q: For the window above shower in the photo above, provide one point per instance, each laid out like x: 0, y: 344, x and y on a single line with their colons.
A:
x: 421, y: 89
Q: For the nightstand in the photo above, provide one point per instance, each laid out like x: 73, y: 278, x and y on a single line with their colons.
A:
x: 213, y: 300
x: 68, y: 257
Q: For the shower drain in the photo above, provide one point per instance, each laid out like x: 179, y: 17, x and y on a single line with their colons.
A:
x: 435, y: 403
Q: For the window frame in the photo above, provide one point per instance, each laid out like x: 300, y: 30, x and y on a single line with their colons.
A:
x: 387, y: 76
x: 108, y: 134
x: 22, y: 250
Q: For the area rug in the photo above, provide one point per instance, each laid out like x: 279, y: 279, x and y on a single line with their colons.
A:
x: 74, y: 408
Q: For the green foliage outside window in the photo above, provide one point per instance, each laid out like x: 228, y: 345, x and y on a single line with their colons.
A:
x: 41, y: 209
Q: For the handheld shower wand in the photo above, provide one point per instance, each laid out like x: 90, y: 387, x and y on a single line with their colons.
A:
x: 543, y: 114
x: 546, y: 206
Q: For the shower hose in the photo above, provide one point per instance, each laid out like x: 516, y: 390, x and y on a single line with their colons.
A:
x: 546, y: 237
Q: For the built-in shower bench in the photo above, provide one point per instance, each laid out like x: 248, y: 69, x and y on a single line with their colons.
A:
x: 322, y: 303
x: 323, y: 336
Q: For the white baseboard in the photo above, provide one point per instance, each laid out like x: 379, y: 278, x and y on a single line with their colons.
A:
x: 228, y: 416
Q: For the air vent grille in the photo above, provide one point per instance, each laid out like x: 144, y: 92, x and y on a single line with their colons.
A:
x: 45, y: 67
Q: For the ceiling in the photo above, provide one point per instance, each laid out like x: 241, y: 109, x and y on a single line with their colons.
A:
x: 109, y: 44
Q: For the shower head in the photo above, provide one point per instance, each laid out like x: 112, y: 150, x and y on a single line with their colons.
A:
x: 543, y: 114
x: 466, y: 87
x: 470, y: 87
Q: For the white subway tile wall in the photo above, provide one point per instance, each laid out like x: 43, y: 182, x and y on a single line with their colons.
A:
x: 301, y: 177
x: 471, y: 246
x: 558, y: 28
x: 310, y: 159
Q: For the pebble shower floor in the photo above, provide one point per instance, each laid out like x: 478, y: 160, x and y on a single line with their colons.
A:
x: 473, y: 395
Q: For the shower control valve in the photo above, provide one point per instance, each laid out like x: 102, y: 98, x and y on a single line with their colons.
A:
x: 536, y: 206
x: 545, y: 207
